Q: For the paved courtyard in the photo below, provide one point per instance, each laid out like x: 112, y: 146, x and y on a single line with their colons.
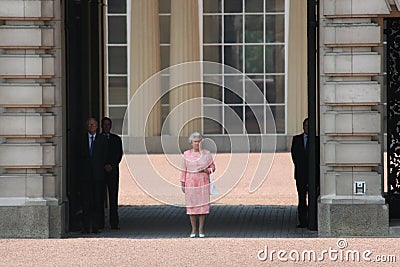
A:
x: 243, y: 229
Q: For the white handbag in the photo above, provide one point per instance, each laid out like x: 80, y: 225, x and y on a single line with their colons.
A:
x: 213, y: 189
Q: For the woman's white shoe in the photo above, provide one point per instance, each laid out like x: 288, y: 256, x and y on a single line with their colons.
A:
x: 192, y: 235
x: 202, y: 235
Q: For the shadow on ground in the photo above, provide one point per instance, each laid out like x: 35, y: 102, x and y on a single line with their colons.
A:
x: 224, y: 221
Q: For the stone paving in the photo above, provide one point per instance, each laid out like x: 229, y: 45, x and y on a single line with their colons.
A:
x: 224, y: 221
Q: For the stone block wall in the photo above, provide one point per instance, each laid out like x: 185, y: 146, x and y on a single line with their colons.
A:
x: 31, y: 119
x: 351, y: 57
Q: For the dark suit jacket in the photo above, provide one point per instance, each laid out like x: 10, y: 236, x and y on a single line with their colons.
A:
x: 300, y: 159
x: 92, y: 167
x: 114, y: 153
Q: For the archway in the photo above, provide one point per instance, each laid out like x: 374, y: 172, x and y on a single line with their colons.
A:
x: 84, y: 41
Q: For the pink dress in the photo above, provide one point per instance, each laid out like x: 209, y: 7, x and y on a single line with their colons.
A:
x: 197, y: 184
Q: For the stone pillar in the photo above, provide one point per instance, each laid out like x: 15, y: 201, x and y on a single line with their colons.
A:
x: 32, y: 189
x: 297, y: 105
x: 145, y: 62
x: 185, y: 47
x: 351, y: 202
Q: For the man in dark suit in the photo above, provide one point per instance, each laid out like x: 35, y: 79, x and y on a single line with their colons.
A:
x: 299, y: 152
x: 114, y: 156
x: 93, y: 160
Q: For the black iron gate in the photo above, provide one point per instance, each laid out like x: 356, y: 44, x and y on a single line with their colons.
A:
x: 392, y: 33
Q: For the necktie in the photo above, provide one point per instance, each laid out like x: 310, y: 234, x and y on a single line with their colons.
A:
x: 91, y: 144
x: 306, y: 143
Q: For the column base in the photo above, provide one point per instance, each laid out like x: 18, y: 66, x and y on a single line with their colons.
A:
x: 35, y: 221
x: 336, y: 220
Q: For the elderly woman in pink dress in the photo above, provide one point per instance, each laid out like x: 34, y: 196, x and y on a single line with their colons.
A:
x: 195, y: 181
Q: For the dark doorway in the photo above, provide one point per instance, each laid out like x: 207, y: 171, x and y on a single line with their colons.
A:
x: 84, y: 85
x: 392, y: 35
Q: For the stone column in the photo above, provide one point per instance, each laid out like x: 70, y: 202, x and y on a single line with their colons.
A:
x: 297, y: 105
x: 351, y: 201
x: 145, y: 62
x: 185, y: 47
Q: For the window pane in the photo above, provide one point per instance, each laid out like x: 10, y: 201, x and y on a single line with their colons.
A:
x: 212, y: 126
x: 231, y: 97
x: 212, y: 29
x: 254, y: 6
x: 116, y: 6
x: 233, y: 120
x: 165, y: 29
x: 165, y: 85
x: 212, y: 120
x: 212, y: 91
x: 254, y: 119
x: 165, y: 99
x: 278, y: 113
x: 233, y: 29
x: 164, y: 6
x: 117, y: 30
x: 233, y: 89
x: 275, y: 5
x: 233, y: 6
x: 117, y: 116
x: 256, y: 82
x: 164, y: 57
x: 212, y: 79
x: 164, y: 114
x: 212, y: 53
x: 275, y: 88
x: 275, y: 59
x: 254, y: 29
x: 117, y: 94
x: 275, y: 29
x: 254, y: 59
x: 211, y: 6
x: 234, y: 56
x: 117, y: 59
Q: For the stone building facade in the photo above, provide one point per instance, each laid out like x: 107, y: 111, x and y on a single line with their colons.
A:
x: 36, y: 104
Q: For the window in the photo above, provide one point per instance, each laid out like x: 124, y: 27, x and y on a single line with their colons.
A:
x: 117, y: 82
x: 165, y: 44
x: 248, y: 35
